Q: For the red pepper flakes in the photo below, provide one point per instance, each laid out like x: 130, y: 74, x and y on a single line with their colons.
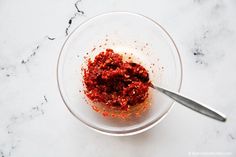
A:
x: 95, y: 108
x: 113, y: 115
x: 94, y: 49
x: 113, y: 82
x: 105, y: 113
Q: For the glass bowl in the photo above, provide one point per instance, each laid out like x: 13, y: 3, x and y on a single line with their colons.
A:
x: 129, y: 34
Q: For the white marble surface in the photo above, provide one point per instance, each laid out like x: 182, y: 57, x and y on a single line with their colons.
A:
x: 34, y: 122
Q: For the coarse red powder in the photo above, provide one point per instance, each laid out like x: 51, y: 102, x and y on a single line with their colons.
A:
x: 113, y: 82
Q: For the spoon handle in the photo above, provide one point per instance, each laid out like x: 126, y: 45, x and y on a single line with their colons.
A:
x: 192, y: 104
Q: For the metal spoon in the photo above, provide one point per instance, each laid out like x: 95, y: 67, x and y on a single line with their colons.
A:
x: 192, y: 104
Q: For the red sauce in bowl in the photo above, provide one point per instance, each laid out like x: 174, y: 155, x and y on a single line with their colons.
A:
x: 114, y: 82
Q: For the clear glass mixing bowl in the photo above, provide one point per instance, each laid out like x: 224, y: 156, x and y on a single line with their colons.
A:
x: 124, y: 32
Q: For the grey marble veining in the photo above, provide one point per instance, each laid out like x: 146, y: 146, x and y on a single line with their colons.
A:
x: 77, y: 13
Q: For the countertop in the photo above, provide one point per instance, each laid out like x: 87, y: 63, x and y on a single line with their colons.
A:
x: 34, y: 122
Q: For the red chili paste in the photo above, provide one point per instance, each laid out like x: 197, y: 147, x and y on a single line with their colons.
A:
x: 114, y: 82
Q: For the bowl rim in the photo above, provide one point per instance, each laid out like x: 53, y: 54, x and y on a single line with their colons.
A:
x: 125, y: 132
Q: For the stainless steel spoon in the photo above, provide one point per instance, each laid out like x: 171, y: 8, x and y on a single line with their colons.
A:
x: 192, y: 104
